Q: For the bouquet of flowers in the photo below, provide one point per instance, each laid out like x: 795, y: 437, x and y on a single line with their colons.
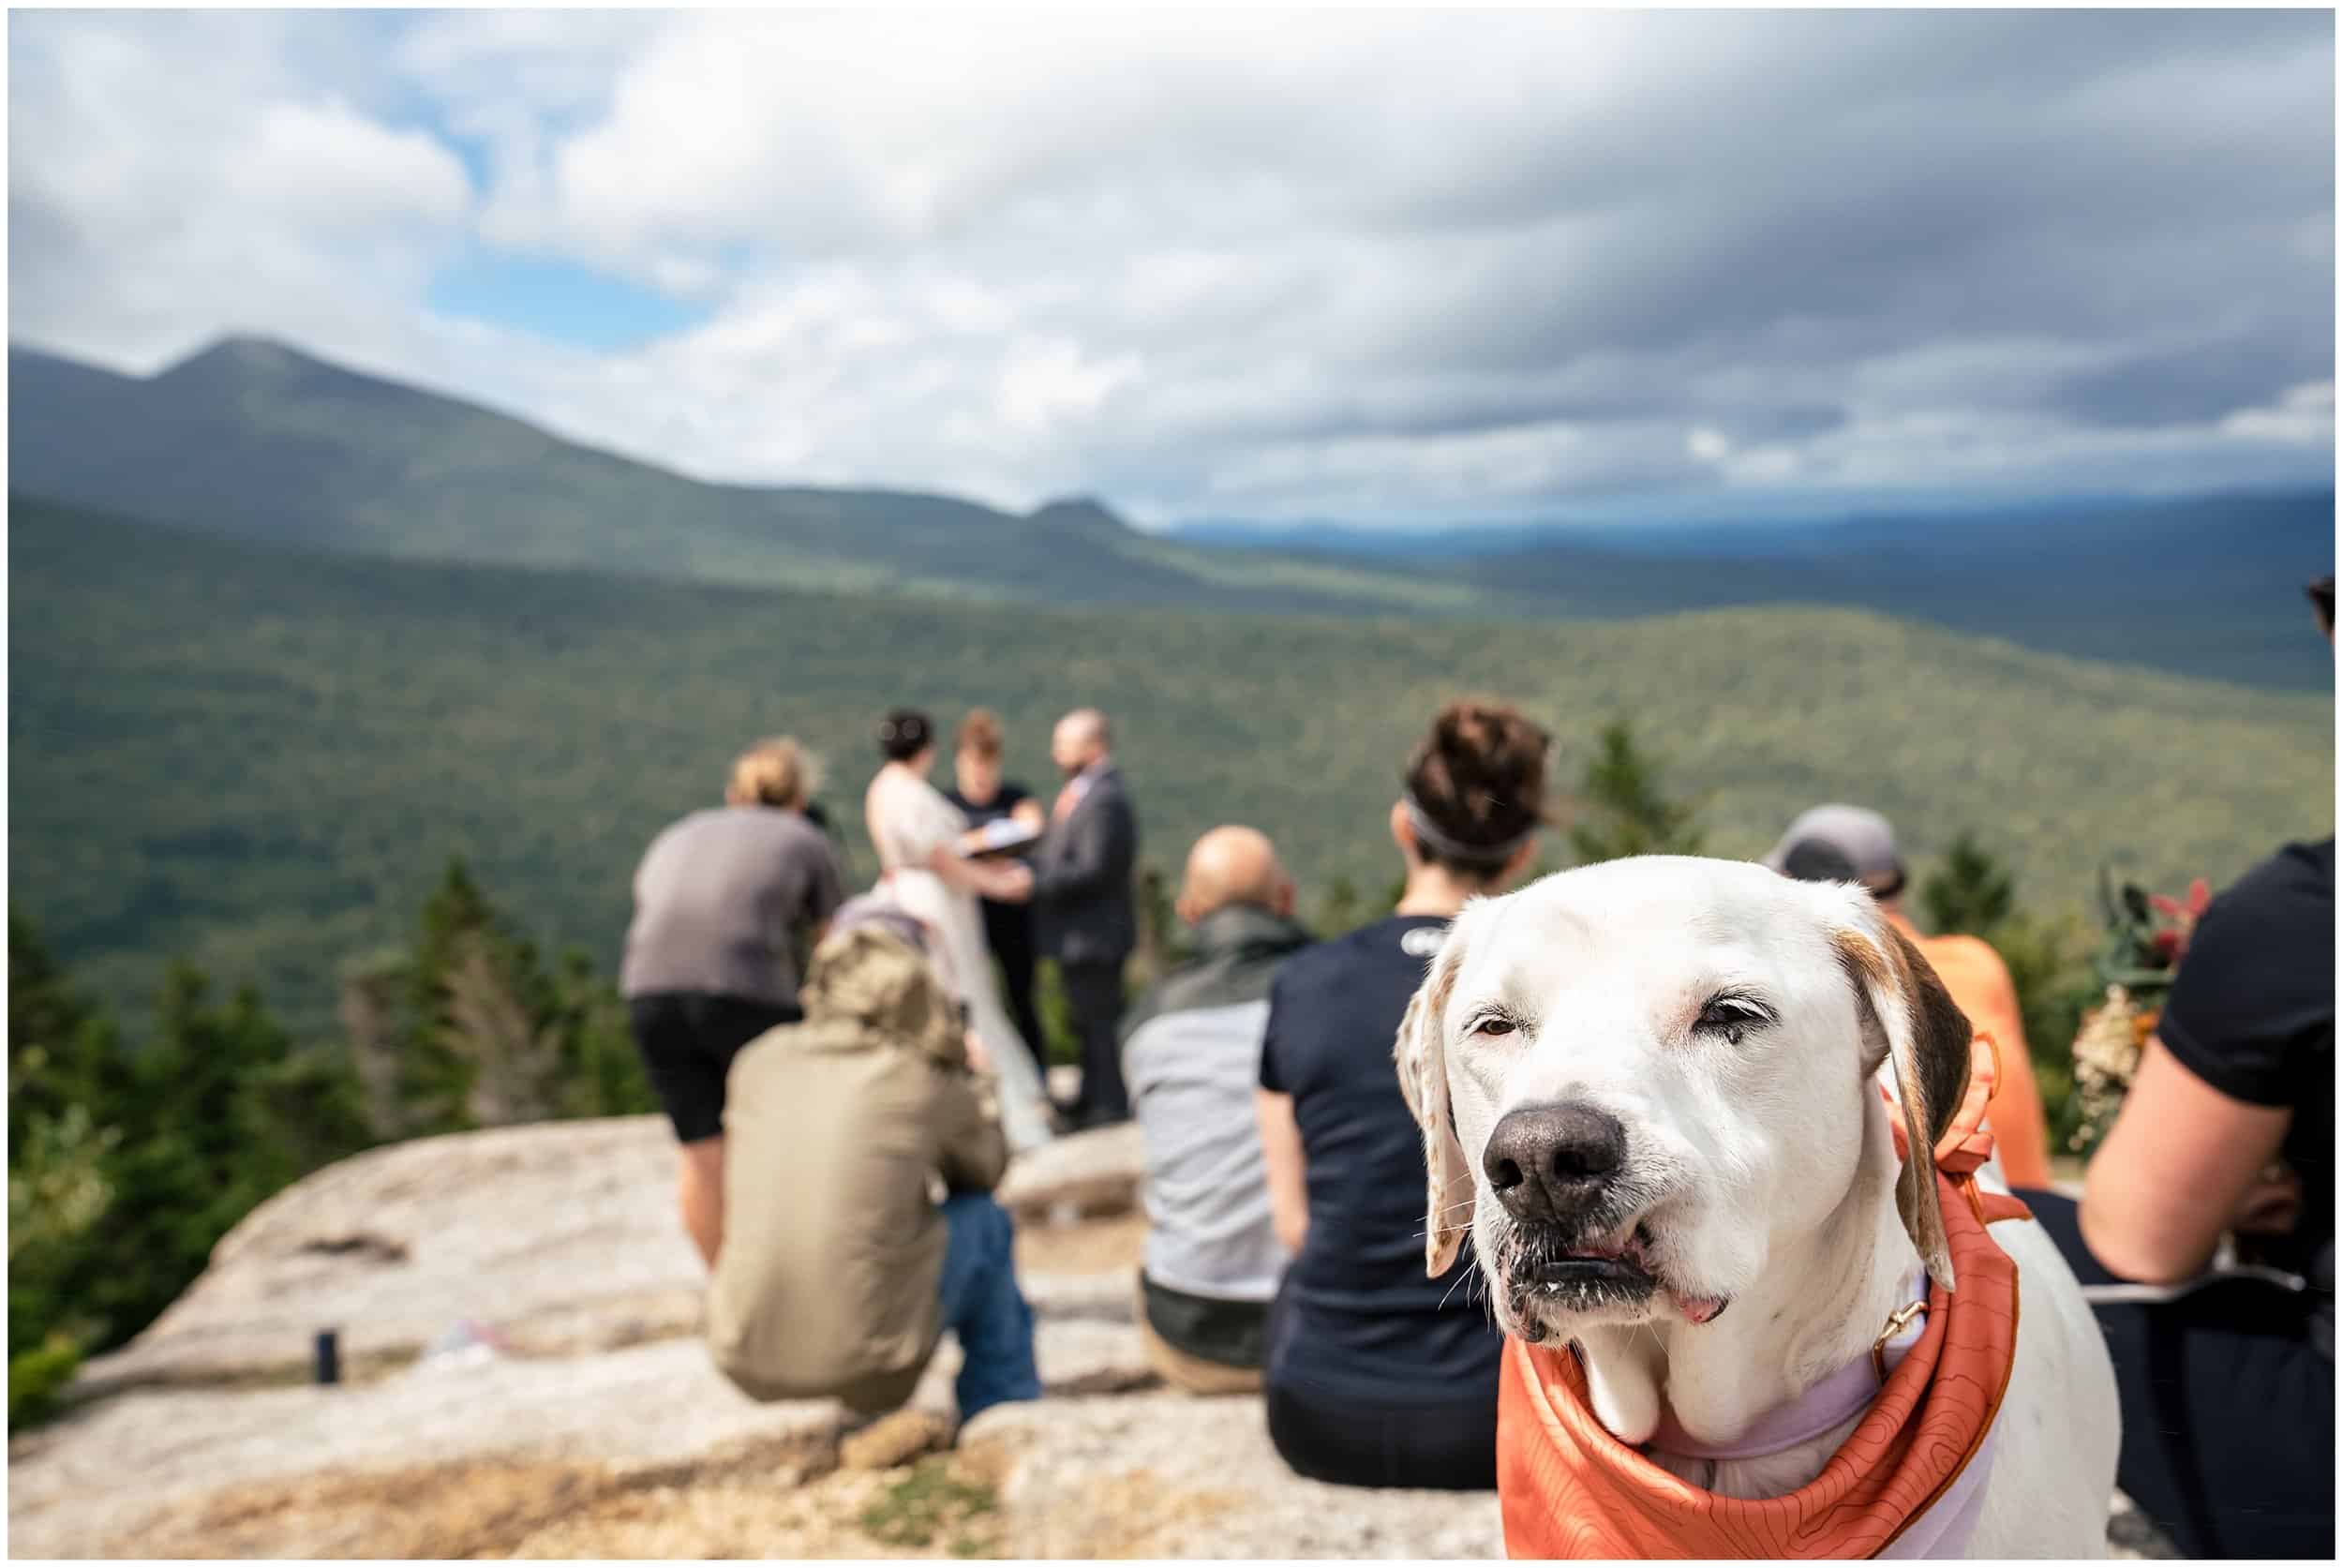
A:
x: 2147, y: 935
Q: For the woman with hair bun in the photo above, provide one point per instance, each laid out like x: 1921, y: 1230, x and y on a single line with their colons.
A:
x: 917, y: 834
x: 1376, y: 1375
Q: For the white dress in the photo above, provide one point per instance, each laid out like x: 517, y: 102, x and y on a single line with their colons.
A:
x: 908, y: 819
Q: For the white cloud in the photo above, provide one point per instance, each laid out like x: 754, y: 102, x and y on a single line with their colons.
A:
x: 161, y: 192
x: 341, y: 174
x: 2304, y: 417
x: 1270, y: 262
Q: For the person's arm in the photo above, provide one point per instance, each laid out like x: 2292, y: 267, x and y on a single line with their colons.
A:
x: 971, y: 1151
x: 1281, y: 1153
x: 1003, y: 882
x: 1027, y: 813
x: 2179, y: 1166
x: 825, y: 890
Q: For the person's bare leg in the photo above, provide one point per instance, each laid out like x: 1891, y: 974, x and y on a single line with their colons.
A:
x: 700, y: 1194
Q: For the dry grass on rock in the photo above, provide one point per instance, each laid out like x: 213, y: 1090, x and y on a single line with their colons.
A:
x: 760, y: 1501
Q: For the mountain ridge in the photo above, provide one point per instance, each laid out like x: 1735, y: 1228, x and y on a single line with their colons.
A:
x: 253, y: 437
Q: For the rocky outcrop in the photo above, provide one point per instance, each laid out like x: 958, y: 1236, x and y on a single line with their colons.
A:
x: 1164, y: 1474
x: 560, y: 1236
x: 1086, y: 1175
x: 584, y: 1417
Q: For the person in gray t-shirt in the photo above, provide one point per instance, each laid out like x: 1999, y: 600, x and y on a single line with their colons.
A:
x: 1191, y: 1056
x: 727, y: 905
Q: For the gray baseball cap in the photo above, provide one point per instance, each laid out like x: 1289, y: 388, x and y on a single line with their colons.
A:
x: 1839, y: 843
x: 876, y: 909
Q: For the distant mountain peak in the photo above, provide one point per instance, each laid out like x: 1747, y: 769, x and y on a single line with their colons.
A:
x: 1077, y: 511
x: 249, y: 353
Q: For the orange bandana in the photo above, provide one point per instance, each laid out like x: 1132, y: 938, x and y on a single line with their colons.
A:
x: 1569, y: 1490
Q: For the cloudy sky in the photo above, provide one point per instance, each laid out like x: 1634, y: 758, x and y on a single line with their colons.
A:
x: 1209, y: 265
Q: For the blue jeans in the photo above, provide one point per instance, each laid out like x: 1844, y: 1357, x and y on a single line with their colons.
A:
x: 983, y: 1306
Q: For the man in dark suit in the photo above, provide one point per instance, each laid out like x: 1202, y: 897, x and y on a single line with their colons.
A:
x: 1083, y: 914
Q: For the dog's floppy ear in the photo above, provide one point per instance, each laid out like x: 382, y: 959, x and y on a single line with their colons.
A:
x: 1927, y: 1037
x: 1421, y: 1053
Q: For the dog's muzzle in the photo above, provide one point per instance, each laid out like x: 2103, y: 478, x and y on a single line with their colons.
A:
x: 1554, y: 1165
x: 1576, y: 1240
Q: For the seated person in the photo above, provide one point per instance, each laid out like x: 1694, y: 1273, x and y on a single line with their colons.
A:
x: 840, y: 1268
x: 2228, y: 1381
x: 2228, y: 1386
x: 1191, y: 1055
x: 1377, y: 1375
x: 1847, y: 843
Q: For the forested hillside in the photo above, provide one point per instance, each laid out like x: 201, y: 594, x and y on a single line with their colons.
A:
x: 262, y: 759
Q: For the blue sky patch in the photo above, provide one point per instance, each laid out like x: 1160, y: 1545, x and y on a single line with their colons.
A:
x: 560, y: 301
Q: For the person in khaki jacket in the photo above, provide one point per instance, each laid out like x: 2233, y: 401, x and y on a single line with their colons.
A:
x: 861, y: 1153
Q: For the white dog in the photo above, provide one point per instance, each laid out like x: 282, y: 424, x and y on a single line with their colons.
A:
x: 1649, y: 1090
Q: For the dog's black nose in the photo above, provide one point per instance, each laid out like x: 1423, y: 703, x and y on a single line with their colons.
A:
x: 1547, y: 1162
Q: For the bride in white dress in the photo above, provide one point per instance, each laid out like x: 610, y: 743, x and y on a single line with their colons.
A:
x: 918, y: 833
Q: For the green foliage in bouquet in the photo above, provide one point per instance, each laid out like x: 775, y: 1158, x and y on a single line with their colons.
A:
x: 2147, y: 935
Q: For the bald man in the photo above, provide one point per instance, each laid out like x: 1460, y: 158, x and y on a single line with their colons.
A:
x: 1084, y: 913
x: 1191, y: 1054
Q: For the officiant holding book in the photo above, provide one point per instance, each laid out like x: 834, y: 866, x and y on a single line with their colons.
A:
x: 997, y: 809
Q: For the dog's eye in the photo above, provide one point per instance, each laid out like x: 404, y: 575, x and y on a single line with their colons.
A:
x: 1732, y: 1017
x: 1494, y: 1024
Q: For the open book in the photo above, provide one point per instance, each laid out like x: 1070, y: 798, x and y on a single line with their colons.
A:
x: 1004, y: 835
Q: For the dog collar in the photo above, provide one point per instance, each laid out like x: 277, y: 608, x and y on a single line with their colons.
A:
x: 1831, y: 1403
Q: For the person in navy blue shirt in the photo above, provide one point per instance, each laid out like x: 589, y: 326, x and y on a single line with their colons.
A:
x: 1376, y: 1375
x: 984, y: 797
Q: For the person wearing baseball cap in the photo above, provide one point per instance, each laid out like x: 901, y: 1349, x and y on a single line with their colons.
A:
x: 1848, y: 843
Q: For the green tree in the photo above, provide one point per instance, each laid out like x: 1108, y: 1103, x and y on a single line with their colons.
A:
x: 192, y: 1157
x: 62, y: 1051
x: 130, y: 1167
x: 125, y: 1169
x: 469, y: 1028
x: 1162, y: 937
x: 1342, y: 908
x: 460, y: 1031
x: 1338, y: 909
x: 1971, y: 892
x: 1623, y: 811
x: 2049, y: 961
x: 1059, y: 1045
x: 58, y: 1197
x: 601, y: 1072
x: 373, y: 1018
x: 66, y: 1072
x: 301, y: 1114
x: 457, y: 932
